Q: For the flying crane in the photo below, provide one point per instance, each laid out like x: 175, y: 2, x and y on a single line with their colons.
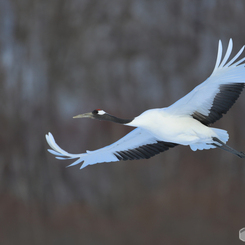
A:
x: 186, y: 122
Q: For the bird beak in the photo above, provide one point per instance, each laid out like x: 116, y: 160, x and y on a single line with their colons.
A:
x: 88, y: 115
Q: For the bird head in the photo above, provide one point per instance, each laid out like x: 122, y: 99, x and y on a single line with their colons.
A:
x: 95, y: 114
x: 102, y: 115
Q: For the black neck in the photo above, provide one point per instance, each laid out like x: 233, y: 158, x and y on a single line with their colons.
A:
x: 108, y: 117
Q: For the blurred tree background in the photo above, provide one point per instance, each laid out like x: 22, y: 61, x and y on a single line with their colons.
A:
x: 62, y: 58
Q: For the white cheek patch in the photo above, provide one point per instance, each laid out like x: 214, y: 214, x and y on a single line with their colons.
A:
x: 101, y: 112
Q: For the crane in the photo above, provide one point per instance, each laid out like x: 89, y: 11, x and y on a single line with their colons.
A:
x: 186, y: 122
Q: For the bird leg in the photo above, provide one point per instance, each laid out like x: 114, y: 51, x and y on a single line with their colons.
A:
x: 225, y: 147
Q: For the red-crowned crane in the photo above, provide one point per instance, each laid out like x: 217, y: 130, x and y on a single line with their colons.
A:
x: 186, y: 122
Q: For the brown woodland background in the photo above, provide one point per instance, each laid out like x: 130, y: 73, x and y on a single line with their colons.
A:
x: 62, y: 58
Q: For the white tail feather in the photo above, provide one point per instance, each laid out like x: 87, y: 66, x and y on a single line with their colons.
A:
x: 220, y: 134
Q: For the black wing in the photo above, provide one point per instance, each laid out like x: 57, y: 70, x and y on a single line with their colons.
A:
x: 145, y: 151
x: 222, y: 102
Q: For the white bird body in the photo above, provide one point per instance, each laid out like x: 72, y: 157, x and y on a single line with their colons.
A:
x: 186, y: 122
x: 166, y: 127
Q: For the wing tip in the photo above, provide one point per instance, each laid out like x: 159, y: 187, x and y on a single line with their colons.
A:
x: 224, y: 63
x: 60, y: 153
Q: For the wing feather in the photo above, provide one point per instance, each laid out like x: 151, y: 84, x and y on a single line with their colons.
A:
x: 227, y: 54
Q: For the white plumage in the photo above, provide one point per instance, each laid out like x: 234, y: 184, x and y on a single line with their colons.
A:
x: 185, y: 122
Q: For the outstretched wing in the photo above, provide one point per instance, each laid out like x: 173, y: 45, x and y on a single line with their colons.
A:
x: 138, y: 144
x: 214, y: 97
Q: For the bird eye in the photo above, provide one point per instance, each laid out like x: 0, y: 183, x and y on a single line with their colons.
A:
x: 95, y: 112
